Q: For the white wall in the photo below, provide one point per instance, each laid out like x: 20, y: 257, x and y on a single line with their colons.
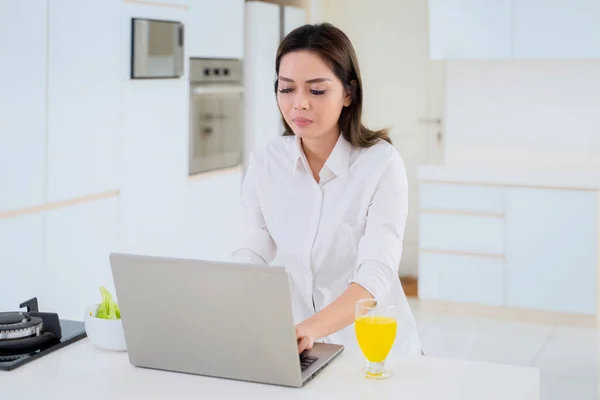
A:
x: 524, y: 111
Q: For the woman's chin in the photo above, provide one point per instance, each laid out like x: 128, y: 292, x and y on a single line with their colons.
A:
x: 304, y: 132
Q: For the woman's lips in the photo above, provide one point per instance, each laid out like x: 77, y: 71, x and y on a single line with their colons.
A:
x: 300, y: 121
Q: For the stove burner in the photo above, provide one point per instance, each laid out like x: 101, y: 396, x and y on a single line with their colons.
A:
x: 19, y: 325
x: 9, y: 358
x: 25, y: 332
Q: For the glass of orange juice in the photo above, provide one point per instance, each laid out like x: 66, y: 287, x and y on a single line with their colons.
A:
x: 375, y: 326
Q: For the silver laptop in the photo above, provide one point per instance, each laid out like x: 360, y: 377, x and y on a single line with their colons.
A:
x: 211, y: 318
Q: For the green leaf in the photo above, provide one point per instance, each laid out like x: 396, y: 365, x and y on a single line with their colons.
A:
x: 107, y: 309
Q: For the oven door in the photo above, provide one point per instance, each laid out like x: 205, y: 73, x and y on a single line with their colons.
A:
x: 216, y: 127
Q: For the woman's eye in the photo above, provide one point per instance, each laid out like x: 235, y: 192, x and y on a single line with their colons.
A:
x: 317, y: 92
x: 285, y: 90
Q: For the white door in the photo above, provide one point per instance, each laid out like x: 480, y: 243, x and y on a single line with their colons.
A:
x: 402, y: 87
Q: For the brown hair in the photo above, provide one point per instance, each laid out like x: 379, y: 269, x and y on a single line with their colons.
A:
x: 335, y: 48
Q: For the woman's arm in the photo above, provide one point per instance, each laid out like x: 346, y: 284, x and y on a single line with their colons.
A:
x: 332, y: 318
x: 255, y: 244
x: 378, y: 258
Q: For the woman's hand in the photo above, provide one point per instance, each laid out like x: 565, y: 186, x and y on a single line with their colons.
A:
x: 304, y: 337
x: 337, y: 315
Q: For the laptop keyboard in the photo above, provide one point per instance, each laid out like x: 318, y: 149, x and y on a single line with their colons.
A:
x: 306, y: 361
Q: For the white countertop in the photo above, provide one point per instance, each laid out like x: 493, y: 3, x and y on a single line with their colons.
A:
x: 81, y: 371
x: 512, y: 175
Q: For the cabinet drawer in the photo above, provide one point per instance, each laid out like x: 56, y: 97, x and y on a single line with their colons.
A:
x: 462, y: 233
x: 468, y: 279
x: 467, y: 198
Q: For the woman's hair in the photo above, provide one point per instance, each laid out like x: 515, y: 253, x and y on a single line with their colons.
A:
x: 334, y: 47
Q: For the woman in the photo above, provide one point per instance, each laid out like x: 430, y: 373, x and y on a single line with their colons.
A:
x: 329, y: 197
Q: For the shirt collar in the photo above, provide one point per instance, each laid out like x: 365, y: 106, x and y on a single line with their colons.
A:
x: 338, y: 161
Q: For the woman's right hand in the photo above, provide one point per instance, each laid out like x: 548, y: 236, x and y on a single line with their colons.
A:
x: 304, y: 339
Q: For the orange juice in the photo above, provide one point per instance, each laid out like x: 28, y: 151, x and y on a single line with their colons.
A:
x: 375, y: 336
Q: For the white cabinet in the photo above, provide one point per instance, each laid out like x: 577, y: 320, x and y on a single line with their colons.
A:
x: 21, y: 260
x: 78, y: 241
x: 462, y: 198
x: 462, y: 233
x: 551, y: 249
x: 22, y: 103
x: 519, y: 29
x: 215, y: 29
x: 556, y: 29
x: 527, y: 248
x: 462, y: 29
x: 462, y: 243
x: 467, y: 279
x: 84, y: 97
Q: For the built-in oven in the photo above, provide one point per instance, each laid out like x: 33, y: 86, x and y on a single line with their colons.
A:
x: 216, y: 114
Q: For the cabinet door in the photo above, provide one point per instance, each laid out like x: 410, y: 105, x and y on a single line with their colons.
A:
x: 463, y: 29
x: 22, y: 103
x: 21, y: 260
x: 468, y: 279
x: 216, y: 29
x: 84, y: 98
x: 551, y: 240
x: 78, y: 241
x: 556, y: 29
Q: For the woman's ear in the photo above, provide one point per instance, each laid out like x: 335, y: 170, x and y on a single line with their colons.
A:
x: 349, y: 93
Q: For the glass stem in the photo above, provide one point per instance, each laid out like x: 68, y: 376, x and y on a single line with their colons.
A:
x: 375, y: 368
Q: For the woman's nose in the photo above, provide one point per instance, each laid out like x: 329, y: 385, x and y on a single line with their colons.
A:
x: 301, y: 103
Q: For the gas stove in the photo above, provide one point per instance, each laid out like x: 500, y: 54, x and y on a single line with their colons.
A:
x: 28, y: 335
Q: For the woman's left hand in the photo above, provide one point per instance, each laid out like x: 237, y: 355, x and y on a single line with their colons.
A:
x: 304, y: 338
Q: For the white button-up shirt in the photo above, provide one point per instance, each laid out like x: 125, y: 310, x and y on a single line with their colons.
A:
x: 346, y: 228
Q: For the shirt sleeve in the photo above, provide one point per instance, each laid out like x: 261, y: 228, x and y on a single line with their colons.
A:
x: 254, y: 243
x: 380, y: 248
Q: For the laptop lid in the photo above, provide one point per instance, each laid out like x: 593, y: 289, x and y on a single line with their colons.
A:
x: 209, y: 318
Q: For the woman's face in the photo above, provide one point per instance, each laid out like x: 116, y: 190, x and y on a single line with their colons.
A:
x: 309, y: 95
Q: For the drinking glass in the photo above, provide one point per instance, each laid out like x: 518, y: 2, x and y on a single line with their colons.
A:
x: 375, y: 326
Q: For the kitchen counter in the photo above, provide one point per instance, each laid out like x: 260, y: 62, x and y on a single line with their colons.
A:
x: 518, y: 176
x: 81, y: 371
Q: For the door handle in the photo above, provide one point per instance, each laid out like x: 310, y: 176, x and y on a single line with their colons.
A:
x: 437, y: 121
x: 211, y: 117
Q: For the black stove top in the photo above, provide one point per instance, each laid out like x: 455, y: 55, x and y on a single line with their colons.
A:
x: 28, y: 335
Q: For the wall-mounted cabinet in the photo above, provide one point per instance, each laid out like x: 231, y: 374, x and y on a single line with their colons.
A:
x: 461, y: 29
x: 556, y: 29
x: 519, y: 29
x: 216, y: 29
